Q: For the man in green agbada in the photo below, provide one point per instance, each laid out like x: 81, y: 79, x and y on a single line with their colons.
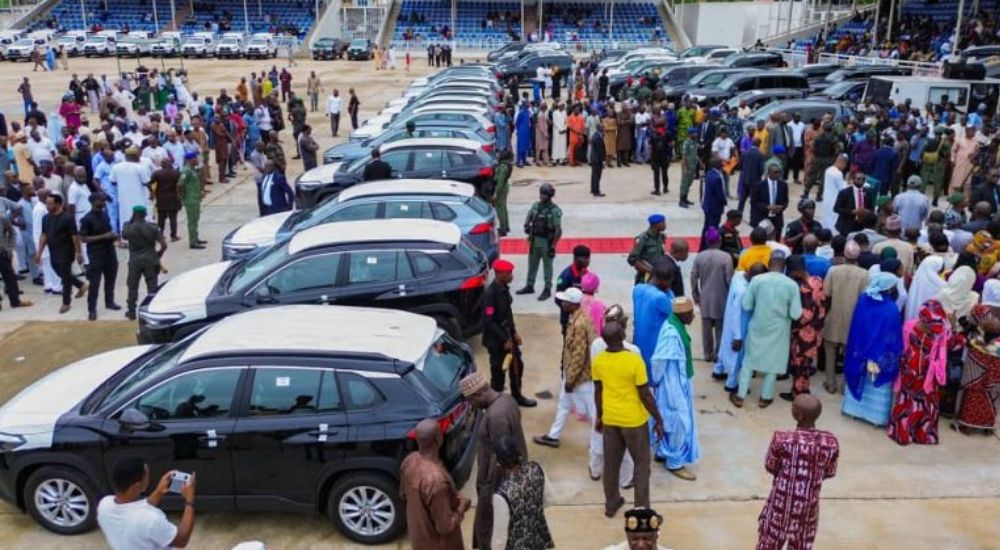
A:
x: 189, y: 188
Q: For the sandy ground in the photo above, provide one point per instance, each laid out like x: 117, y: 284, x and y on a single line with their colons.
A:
x: 885, y: 496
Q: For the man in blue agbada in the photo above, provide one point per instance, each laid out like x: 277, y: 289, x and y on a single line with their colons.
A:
x: 671, y: 370
x: 735, y: 322
x: 502, y: 122
x: 651, y: 303
x: 522, y: 124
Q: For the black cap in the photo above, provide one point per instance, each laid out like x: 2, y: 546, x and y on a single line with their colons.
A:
x: 581, y: 251
x: 642, y: 520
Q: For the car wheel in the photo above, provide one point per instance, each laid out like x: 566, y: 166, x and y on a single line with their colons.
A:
x: 366, y: 508
x: 449, y: 325
x: 61, y: 500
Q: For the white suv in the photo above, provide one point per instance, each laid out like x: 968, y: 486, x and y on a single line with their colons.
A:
x: 231, y: 45
x: 198, y: 46
x: 99, y: 46
x: 261, y: 46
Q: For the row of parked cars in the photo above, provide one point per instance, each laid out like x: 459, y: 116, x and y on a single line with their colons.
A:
x: 108, y: 43
x: 290, y: 374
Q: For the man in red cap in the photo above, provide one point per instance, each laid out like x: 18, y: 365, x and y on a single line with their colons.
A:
x: 500, y: 336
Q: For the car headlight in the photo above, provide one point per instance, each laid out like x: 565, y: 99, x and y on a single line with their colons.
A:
x: 309, y: 185
x: 10, y: 442
x: 158, y: 320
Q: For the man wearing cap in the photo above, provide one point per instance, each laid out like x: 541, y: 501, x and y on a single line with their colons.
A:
x: 543, y: 226
x: 843, y: 284
x: 648, y: 247
x: 710, y: 277
x: 570, y: 277
x: 189, y: 188
x: 671, y: 369
x: 577, y: 391
x: 96, y: 232
x: 912, y: 205
x: 642, y: 531
x: 894, y: 239
x: 689, y: 165
x: 143, y: 256
x: 773, y: 301
x: 132, y: 181
x: 805, y: 225
x: 501, y: 418
x: 500, y: 336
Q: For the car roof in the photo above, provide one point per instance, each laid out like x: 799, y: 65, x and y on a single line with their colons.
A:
x: 437, y: 142
x: 399, y: 335
x: 374, y: 231
x: 407, y: 187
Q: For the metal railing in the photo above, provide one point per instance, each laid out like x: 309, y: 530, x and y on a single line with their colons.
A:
x: 361, y: 21
x: 489, y: 44
x: 798, y: 58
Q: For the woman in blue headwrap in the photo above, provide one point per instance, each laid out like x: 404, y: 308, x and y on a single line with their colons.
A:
x: 874, y: 345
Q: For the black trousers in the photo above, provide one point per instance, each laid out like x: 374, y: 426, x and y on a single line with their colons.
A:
x: 354, y: 120
x: 144, y: 270
x: 10, y: 279
x: 107, y: 269
x: 497, y: 355
x: 64, y: 268
x: 161, y: 220
x: 660, y: 172
x: 595, y: 178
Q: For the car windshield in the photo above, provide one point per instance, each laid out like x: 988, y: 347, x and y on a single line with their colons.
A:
x: 840, y: 87
x: 728, y: 82
x: 359, y: 43
x: 707, y: 78
x: 229, y: 41
x: 26, y: 42
x: 251, y: 270
x: 162, y: 361
x: 324, y: 41
x: 258, y: 42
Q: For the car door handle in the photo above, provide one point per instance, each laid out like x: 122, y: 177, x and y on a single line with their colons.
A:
x: 323, y: 432
x: 212, y: 438
x: 402, y: 290
x: 444, y: 173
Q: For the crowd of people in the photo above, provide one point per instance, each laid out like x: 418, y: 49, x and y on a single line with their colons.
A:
x: 82, y: 179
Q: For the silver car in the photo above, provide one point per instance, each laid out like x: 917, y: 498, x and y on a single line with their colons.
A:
x: 442, y: 200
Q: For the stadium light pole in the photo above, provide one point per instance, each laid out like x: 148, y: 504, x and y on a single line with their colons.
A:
x: 878, y: 11
x: 524, y: 37
x: 173, y: 13
x: 611, y: 25
x: 156, y: 19
x: 83, y: 12
x: 958, y: 27
x: 246, y: 17
x: 892, y: 13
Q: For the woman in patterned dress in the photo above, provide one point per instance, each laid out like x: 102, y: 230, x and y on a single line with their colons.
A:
x: 807, y: 330
x: 807, y: 145
x: 922, y: 370
x: 980, y: 385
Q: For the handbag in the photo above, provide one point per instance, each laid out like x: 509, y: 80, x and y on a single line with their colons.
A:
x: 730, y: 164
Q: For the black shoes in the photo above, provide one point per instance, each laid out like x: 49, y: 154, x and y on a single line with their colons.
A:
x: 526, y: 290
x: 523, y: 401
x: 197, y: 247
x: 130, y: 315
x: 545, y: 295
x: 113, y: 307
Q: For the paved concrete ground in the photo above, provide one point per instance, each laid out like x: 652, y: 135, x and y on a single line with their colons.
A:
x: 885, y: 496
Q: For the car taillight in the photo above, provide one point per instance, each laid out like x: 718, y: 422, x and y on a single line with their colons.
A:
x: 446, y: 422
x: 481, y: 228
x: 492, y: 129
x: 477, y: 281
x: 485, y: 172
x: 488, y: 147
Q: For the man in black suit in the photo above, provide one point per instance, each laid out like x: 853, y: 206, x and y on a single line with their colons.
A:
x: 597, y: 154
x: 988, y: 192
x: 851, y: 203
x: 769, y: 199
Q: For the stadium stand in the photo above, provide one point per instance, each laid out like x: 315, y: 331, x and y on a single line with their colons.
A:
x: 490, y: 24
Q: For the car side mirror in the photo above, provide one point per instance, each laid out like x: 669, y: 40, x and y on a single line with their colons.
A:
x: 132, y: 419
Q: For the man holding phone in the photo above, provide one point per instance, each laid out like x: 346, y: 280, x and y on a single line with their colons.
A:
x: 131, y: 522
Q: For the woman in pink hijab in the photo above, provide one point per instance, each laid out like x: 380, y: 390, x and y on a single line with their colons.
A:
x: 591, y: 304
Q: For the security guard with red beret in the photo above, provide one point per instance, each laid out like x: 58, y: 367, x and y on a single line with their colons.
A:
x: 500, y: 337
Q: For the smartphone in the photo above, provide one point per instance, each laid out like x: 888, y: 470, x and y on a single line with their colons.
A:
x: 177, y: 481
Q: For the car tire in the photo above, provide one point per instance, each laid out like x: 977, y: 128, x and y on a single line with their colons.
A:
x: 51, y: 482
x: 449, y: 325
x: 363, y: 488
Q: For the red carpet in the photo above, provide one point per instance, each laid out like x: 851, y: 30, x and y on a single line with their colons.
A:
x: 598, y: 245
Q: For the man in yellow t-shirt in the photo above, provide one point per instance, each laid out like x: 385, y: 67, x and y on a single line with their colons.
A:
x: 624, y: 405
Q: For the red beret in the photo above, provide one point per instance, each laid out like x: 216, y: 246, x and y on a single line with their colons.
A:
x: 502, y: 265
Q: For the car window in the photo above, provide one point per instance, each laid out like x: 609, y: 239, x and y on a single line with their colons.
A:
x: 444, y: 364
x: 198, y: 394
x: 442, y: 212
x: 436, y: 133
x: 357, y: 212
x: 458, y: 159
x: 404, y: 209
x: 312, y: 273
x: 427, y: 161
x: 360, y: 393
x: 284, y: 391
x: 397, y: 160
x: 423, y: 263
x: 378, y: 266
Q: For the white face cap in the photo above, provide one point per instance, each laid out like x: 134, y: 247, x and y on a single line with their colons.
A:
x: 572, y: 295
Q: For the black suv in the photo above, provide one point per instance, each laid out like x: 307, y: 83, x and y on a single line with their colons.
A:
x: 755, y: 59
x: 526, y: 68
x: 742, y: 82
x: 290, y: 409
x: 328, y: 48
x: 418, y: 158
x: 418, y: 265
x: 360, y: 49
x: 860, y: 72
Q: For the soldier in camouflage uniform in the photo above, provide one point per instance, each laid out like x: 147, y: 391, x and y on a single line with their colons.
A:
x: 544, y: 228
x: 297, y: 116
x: 648, y: 247
x: 274, y: 152
x: 689, y: 164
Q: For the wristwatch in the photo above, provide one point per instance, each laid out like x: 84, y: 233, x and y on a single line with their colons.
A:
x: 189, y: 503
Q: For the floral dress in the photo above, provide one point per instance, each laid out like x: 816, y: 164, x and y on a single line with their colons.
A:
x: 807, y: 334
x: 922, y: 371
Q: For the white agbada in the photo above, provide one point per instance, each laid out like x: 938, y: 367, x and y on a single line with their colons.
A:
x: 132, y: 179
x: 833, y: 183
x: 559, y: 135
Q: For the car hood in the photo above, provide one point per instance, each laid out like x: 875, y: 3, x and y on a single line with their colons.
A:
x: 347, y: 151
x: 186, y: 293
x: 34, y: 411
x: 260, y: 231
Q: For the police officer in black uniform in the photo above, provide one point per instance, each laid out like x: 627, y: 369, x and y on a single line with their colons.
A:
x: 500, y: 336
